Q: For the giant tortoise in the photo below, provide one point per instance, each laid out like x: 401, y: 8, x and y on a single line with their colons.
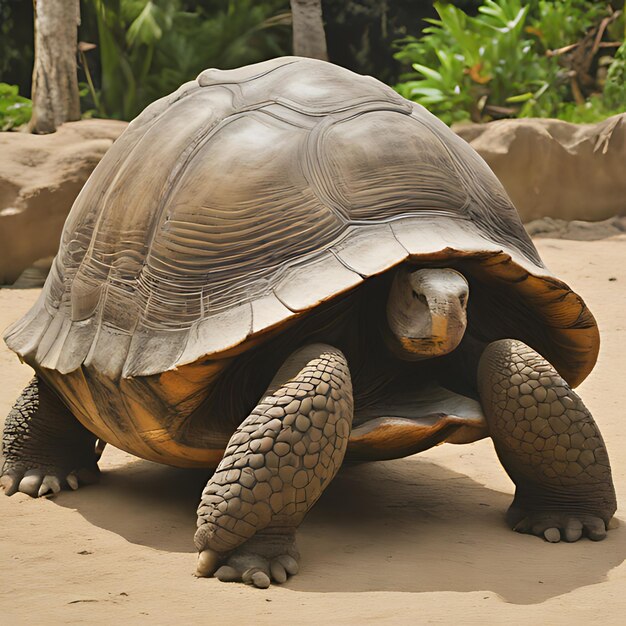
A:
x: 286, y: 264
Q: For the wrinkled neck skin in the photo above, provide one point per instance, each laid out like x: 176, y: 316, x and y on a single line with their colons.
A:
x: 426, y: 312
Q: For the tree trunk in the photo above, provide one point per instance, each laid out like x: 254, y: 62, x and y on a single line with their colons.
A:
x: 55, y: 83
x: 309, y: 39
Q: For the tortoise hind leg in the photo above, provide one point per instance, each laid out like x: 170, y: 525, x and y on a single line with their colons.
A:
x: 275, y: 467
x: 549, y: 445
x: 45, y: 447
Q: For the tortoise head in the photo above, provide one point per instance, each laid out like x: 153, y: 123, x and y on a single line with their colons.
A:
x: 426, y: 312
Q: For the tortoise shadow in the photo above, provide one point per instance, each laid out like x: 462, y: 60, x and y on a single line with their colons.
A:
x: 408, y: 525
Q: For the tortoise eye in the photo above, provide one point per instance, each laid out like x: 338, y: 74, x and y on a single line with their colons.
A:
x: 463, y: 299
x: 421, y: 297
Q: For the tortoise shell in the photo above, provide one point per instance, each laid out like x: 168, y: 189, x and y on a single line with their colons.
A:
x: 232, y: 208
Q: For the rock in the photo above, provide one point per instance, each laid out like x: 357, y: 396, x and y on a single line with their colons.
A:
x: 40, y: 176
x: 576, y: 229
x: 555, y: 169
x: 35, y: 275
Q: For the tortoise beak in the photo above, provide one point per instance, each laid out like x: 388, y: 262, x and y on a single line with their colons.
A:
x: 447, y: 331
x: 439, y: 327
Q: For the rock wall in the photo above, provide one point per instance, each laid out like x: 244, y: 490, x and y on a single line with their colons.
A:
x: 40, y: 176
x: 554, y: 169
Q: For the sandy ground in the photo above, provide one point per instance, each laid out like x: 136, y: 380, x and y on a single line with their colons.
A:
x: 418, y: 540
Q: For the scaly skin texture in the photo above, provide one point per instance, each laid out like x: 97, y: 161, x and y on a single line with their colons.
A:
x: 276, y: 466
x: 45, y: 447
x: 548, y: 443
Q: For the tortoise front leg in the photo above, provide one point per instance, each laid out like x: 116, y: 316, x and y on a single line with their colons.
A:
x: 549, y: 445
x: 276, y: 466
x: 45, y: 447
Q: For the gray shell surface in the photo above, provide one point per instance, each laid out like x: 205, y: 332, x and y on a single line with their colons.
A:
x: 245, y: 198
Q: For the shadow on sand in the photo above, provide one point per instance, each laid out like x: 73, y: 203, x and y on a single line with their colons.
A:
x: 406, y: 525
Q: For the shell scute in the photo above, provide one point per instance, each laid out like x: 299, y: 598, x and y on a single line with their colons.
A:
x: 308, y: 284
x: 357, y: 253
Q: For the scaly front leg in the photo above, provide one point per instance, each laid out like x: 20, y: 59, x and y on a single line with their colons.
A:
x: 276, y: 466
x: 549, y: 445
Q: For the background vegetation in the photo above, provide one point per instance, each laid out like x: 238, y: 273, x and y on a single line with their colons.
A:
x: 472, y: 59
x: 518, y: 59
x: 147, y: 48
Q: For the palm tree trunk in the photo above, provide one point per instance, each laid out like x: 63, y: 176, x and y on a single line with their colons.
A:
x: 309, y: 39
x: 55, y: 83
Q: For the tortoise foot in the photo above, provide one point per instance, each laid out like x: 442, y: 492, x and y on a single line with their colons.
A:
x: 554, y: 526
x: 263, y: 559
x: 46, y: 449
x: 37, y: 481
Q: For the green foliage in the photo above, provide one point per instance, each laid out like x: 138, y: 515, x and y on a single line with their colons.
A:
x: 593, y: 110
x: 474, y: 61
x: 558, y: 24
x: 615, y: 86
x: 495, y: 64
x: 148, y: 48
x: 14, y: 109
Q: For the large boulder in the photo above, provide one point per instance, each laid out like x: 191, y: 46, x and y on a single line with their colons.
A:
x: 40, y: 176
x: 555, y: 169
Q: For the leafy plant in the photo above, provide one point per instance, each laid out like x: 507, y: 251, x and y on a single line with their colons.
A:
x: 496, y: 63
x: 479, y: 62
x: 615, y: 86
x: 558, y: 24
x: 593, y: 110
x: 148, y: 48
x: 14, y: 109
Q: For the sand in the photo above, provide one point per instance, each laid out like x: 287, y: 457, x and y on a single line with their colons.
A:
x: 418, y: 540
